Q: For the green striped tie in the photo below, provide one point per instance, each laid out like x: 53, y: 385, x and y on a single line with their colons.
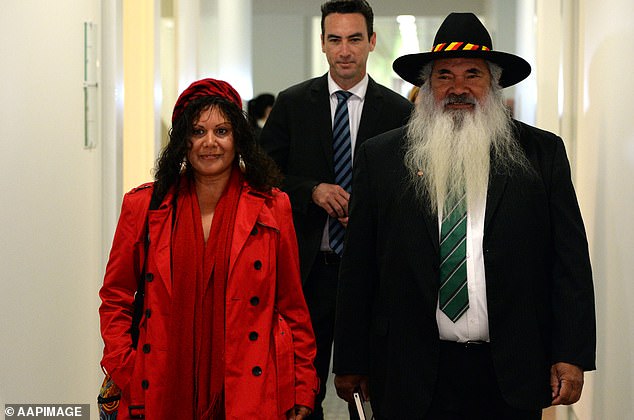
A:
x: 453, y: 296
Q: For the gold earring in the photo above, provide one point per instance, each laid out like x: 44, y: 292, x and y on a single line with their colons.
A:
x: 241, y: 164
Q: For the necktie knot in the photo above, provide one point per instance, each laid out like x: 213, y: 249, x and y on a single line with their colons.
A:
x: 343, y: 95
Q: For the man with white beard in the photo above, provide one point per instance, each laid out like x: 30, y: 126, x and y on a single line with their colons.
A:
x: 465, y: 287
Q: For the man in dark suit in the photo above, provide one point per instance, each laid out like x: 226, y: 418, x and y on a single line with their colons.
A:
x: 299, y: 137
x: 465, y: 287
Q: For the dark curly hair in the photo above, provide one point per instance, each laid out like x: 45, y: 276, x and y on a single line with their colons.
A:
x: 261, y: 171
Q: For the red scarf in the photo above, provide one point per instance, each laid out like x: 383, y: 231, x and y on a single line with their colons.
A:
x: 195, y: 357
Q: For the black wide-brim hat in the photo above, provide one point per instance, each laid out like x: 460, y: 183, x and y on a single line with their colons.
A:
x: 462, y: 35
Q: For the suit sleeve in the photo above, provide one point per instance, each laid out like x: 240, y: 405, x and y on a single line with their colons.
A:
x: 276, y: 139
x: 119, y: 286
x: 574, y: 329
x: 358, y: 276
x: 292, y: 306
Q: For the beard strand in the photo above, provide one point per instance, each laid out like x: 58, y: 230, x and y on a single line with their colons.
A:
x: 450, y: 152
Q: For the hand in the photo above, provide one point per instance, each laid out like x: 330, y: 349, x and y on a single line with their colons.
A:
x: 299, y: 412
x: 347, y: 384
x: 343, y: 221
x: 566, y: 382
x: 332, y: 198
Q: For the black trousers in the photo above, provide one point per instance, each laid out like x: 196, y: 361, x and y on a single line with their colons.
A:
x: 320, y: 291
x: 467, y: 387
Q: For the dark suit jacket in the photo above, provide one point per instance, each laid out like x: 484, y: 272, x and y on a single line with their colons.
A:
x: 539, y: 284
x: 298, y: 136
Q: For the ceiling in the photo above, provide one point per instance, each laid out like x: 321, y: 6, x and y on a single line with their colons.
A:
x: 380, y: 7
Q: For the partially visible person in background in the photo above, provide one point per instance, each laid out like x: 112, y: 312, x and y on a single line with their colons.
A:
x: 225, y: 331
x: 313, y: 133
x: 258, y: 109
x: 412, y: 96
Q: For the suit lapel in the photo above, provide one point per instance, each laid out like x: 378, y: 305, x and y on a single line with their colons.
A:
x: 372, y: 107
x: 497, y: 185
x: 421, y: 235
x: 430, y: 219
x: 320, y: 99
x: 431, y: 223
x: 427, y: 227
x: 419, y: 209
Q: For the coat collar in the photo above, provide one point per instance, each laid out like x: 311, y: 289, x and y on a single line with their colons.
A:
x: 497, y: 185
x: 250, y: 212
x: 319, y: 97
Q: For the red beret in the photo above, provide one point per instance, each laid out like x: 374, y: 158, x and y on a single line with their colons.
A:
x: 202, y: 88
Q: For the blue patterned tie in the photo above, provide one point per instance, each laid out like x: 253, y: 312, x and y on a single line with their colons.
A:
x: 342, y: 163
x: 453, y: 294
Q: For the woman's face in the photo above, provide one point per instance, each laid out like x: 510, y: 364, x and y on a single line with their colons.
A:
x: 212, y: 150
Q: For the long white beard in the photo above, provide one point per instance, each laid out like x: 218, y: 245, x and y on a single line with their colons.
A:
x: 450, y: 151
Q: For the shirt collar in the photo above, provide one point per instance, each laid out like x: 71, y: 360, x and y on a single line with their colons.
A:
x: 357, y: 90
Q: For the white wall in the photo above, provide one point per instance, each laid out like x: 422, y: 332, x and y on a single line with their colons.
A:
x: 599, y: 134
x: 605, y: 172
x: 50, y: 217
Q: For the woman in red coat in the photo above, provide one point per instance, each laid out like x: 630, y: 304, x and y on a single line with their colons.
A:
x: 225, y: 331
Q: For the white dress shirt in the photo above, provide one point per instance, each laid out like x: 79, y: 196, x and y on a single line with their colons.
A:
x: 355, y: 108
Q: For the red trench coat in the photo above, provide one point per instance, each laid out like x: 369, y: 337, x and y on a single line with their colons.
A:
x: 269, y: 347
